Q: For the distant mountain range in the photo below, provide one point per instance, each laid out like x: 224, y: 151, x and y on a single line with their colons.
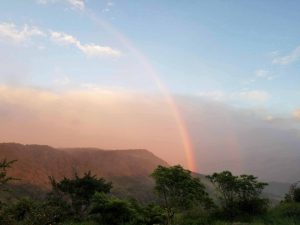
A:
x: 129, y: 170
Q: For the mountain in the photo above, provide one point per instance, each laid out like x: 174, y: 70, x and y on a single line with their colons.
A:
x: 129, y: 170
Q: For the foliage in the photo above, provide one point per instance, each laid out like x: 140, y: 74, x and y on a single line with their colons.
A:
x: 87, y: 200
x: 193, y: 216
x: 153, y: 214
x: 80, y: 191
x: 287, y: 210
x: 294, y: 193
x: 4, y: 178
x: 105, y: 208
x: 29, y: 212
x: 297, y: 195
x: 178, y: 189
x: 148, y: 214
x: 239, y: 195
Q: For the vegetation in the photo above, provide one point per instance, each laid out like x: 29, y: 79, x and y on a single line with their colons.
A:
x: 239, y: 196
x: 182, y: 200
x: 4, y: 178
x: 79, y: 192
x: 294, y: 193
x: 178, y: 190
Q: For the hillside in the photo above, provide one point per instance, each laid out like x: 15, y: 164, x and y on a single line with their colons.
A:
x: 128, y: 169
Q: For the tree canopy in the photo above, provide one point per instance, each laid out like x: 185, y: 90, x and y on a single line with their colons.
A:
x: 4, y: 178
x: 239, y: 194
x: 178, y: 189
x: 81, y: 190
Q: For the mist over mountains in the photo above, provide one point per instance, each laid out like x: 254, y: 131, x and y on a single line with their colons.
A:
x: 223, y: 136
x: 243, y: 141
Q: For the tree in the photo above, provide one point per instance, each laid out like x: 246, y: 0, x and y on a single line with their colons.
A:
x: 239, y: 194
x: 153, y: 214
x: 4, y: 178
x: 178, y: 189
x: 226, y: 186
x: 297, y: 195
x: 108, y: 210
x: 80, y: 190
x: 27, y: 211
x: 294, y: 193
x: 148, y: 214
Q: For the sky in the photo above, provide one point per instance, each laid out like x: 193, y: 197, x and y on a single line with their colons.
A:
x: 137, y: 74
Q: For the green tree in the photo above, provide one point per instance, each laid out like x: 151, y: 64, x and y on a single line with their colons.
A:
x: 294, y: 193
x: 178, y: 189
x: 297, y: 195
x: 80, y: 191
x: 149, y: 214
x: 4, y: 178
x: 226, y: 185
x: 27, y: 211
x: 239, y: 194
x: 153, y: 214
x: 109, y: 210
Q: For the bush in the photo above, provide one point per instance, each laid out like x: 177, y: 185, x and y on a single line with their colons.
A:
x: 195, y: 216
x: 287, y: 210
x: 109, y: 210
x: 30, y: 212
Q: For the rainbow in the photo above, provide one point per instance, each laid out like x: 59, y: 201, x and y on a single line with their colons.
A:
x: 180, y: 123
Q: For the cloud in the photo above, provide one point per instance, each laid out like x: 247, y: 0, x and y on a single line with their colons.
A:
x: 261, y: 73
x: 289, y: 58
x: 265, y: 74
x: 97, y: 50
x: 223, y: 137
x: 75, y: 4
x: 242, y: 141
x: 10, y: 32
x: 44, y: 2
x: 109, y: 5
x: 296, y: 114
x: 78, y: 4
x: 64, y: 38
x: 252, y: 96
x: 91, y: 116
x: 216, y: 95
x: 88, y: 49
x: 62, y: 81
x: 255, y: 95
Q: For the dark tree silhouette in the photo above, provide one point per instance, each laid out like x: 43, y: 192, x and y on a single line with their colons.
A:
x: 239, y: 194
x: 4, y: 178
x: 178, y: 189
x: 80, y: 190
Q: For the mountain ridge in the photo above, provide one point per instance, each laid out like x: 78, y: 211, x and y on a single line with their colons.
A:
x: 129, y: 169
